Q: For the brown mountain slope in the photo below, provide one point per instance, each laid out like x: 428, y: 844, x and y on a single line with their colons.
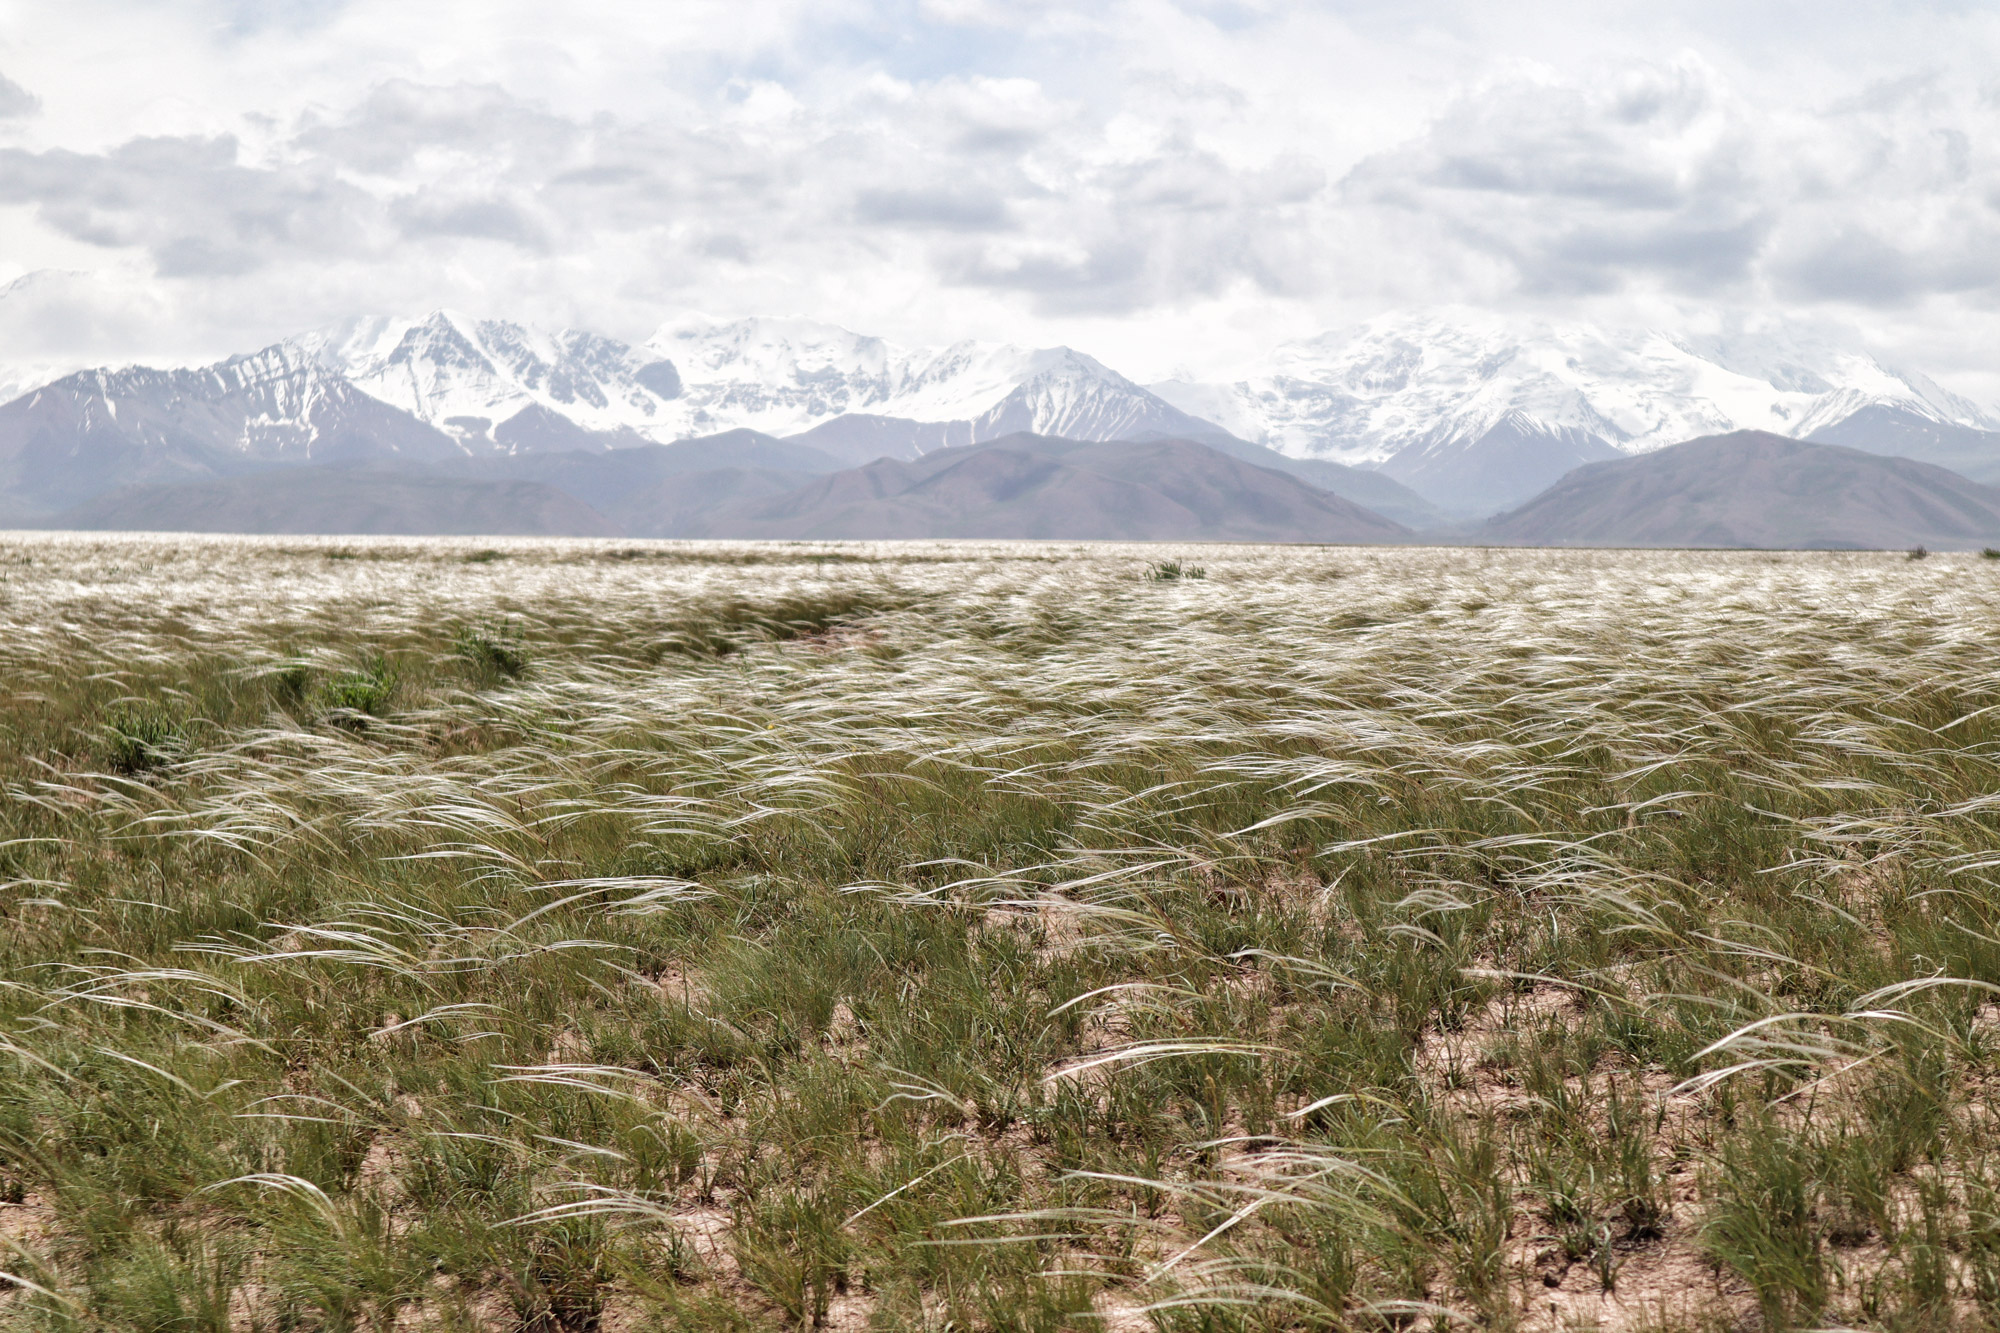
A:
x: 1752, y: 489
x: 339, y: 500
x: 1029, y: 486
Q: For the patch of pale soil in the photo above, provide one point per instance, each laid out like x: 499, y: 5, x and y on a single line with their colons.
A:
x: 1063, y: 924
x: 844, y: 1036
x: 849, y: 1313
x: 1296, y: 886
x: 25, y: 1223
x: 1121, y: 1314
x: 1462, y: 1067
x: 623, y: 1313
x: 382, y: 1166
x: 487, y: 1311
x: 838, y: 638
x: 706, y: 1231
x: 23, y: 1227
x: 1663, y: 1283
x: 681, y: 985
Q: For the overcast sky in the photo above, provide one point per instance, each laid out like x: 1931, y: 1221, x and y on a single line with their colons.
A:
x: 1161, y: 182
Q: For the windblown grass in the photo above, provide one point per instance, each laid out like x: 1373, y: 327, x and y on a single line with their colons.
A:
x: 563, y: 936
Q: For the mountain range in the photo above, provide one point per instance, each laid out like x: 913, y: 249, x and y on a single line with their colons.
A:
x: 1433, y: 420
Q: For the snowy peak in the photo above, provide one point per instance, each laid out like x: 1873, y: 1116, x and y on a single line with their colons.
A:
x: 787, y: 376
x: 95, y: 430
x: 266, y: 406
x: 469, y: 376
x: 1457, y: 375
x: 778, y: 376
x: 773, y: 351
x: 1076, y: 397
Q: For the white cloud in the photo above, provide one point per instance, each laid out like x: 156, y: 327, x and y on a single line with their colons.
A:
x: 1163, y: 182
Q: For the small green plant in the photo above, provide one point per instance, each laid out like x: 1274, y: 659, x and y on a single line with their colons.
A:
x: 141, y: 734
x: 1990, y: 554
x: 1919, y: 553
x: 1172, y: 571
x: 354, y: 696
x: 492, y: 651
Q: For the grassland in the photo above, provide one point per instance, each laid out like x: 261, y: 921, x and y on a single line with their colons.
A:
x: 420, y: 935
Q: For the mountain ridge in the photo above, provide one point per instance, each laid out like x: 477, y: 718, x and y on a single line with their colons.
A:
x: 1756, y: 489
x: 1033, y: 487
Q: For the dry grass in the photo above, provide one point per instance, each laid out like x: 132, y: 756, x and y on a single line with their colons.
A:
x: 570, y: 935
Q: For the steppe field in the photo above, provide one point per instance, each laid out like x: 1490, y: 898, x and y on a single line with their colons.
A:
x: 430, y: 935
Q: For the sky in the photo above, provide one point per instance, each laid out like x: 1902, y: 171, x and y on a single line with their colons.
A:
x: 1172, y: 185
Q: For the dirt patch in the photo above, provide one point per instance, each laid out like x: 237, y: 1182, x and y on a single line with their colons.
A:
x: 849, y: 1313
x: 24, y: 1228
x: 679, y: 984
x: 705, y: 1231
x: 1664, y: 1283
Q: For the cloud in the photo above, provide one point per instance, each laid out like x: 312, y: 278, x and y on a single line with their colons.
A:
x: 1663, y: 178
x: 16, y: 101
x: 944, y: 210
x: 188, y: 202
x: 1008, y: 167
x: 983, y: 183
x: 1653, y: 174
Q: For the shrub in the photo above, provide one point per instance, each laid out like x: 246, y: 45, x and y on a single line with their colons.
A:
x: 1170, y: 571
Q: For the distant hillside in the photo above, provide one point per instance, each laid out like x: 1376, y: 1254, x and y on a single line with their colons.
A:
x: 859, y: 437
x: 1475, y: 475
x: 650, y: 490
x: 1031, y: 486
x: 1884, y: 429
x: 1753, y: 489
x: 1369, y: 489
x: 342, y: 500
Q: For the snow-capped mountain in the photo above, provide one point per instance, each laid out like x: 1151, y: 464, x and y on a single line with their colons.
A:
x: 1079, y: 398
x: 27, y: 376
x: 97, y: 429
x: 1477, y: 411
x: 494, y: 383
x: 470, y: 377
x: 1364, y: 396
x: 788, y: 376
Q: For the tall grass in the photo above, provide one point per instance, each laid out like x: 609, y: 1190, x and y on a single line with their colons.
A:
x: 583, y: 935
